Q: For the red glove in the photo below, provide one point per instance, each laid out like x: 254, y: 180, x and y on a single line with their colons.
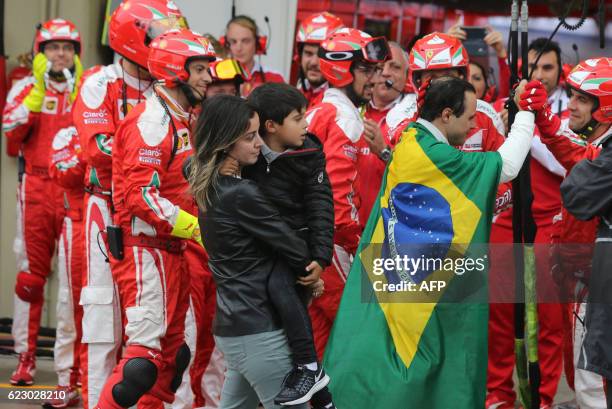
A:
x: 535, y: 99
x: 29, y: 287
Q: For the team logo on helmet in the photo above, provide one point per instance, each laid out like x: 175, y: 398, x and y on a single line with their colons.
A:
x: 339, y: 55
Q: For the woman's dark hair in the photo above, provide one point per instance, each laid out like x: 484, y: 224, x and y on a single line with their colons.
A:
x: 445, y: 92
x: 275, y: 101
x: 224, y: 119
x: 485, y: 77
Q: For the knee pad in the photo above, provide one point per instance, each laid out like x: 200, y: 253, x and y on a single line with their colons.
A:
x: 30, y: 287
x: 183, y: 356
x: 139, y: 376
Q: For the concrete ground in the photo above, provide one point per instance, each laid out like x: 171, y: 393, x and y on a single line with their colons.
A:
x: 46, y: 379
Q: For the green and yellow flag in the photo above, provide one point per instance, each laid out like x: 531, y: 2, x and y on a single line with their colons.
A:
x: 418, y: 345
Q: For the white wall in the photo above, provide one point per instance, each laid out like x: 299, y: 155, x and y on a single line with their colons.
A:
x: 211, y: 16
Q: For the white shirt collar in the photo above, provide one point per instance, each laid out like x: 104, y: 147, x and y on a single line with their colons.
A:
x: 433, y: 130
x: 388, y: 106
x: 558, y: 100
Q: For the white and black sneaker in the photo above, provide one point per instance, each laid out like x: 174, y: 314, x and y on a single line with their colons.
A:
x: 300, y: 384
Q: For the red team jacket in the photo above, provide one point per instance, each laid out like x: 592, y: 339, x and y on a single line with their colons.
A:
x: 148, y: 183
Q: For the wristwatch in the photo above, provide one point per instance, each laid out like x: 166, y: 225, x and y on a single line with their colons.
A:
x: 385, y: 154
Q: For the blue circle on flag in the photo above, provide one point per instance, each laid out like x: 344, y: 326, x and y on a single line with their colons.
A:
x: 418, y: 230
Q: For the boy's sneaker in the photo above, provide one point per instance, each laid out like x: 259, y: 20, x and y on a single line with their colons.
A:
x: 330, y: 406
x: 63, y: 397
x: 25, y: 371
x: 300, y: 384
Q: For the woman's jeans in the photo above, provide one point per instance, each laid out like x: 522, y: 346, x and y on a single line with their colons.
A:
x: 256, y: 367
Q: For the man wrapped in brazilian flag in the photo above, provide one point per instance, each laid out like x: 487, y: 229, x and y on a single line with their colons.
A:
x: 409, y: 331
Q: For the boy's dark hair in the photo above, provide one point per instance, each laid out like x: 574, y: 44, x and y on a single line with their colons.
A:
x: 446, y: 92
x: 275, y: 101
x: 539, y: 45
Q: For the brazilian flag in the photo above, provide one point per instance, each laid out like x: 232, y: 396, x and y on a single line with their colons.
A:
x: 424, y: 349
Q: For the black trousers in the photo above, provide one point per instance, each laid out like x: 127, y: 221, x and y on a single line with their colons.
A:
x: 290, y: 301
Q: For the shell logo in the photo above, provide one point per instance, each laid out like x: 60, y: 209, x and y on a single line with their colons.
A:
x: 50, y: 105
x: 331, y: 46
x: 163, y: 44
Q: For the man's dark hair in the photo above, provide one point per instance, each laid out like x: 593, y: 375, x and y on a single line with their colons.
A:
x: 275, y: 101
x: 539, y: 45
x: 446, y: 92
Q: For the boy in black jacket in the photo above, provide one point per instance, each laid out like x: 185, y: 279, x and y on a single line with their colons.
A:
x: 291, y: 172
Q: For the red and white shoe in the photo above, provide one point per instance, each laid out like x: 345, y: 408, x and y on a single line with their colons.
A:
x: 63, y: 397
x: 26, y: 369
x: 493, y: 402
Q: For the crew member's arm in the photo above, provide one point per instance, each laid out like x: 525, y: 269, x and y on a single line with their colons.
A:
x: 67, y: 166
x: 17, y: 119
x: 340, y: 148
x: 587, y: 190
x: 93, y: 116
x: 516, y: 147
x: 564, y: 144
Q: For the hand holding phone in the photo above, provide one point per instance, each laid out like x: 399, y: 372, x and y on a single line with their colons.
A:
x: 474, y: 41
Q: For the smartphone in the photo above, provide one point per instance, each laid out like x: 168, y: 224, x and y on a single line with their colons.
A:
x: 474, y: 41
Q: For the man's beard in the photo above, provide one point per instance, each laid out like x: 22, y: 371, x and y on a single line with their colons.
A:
x: 314, y: 83
x: 59, y: 76
x: 357, y: 100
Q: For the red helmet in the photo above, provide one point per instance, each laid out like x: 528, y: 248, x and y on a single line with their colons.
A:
x: 437, y: 51
x: 345, y: 45
x: 135, y: 23
x: 171, y: 51
x: 57, y: 29
x: 228, y: 70
x: 594, y: 77
x: 317, y: 27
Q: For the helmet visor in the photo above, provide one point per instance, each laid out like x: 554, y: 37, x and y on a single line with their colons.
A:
x: 161, y: 26
x: 376, y: 50
x: 228, y: 70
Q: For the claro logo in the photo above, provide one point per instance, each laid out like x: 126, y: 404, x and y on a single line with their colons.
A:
x: 96, y: 114
x: 149, y: 152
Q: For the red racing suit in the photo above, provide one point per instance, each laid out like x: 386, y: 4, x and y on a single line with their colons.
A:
x: 104, y: 99
x: 546, y: 177
x: 260, y: 74
x: 371, y: 168
x: 149, y: 191
x: 208, y: 368
x: 39, y: 200
x: 338, y: 125
x: 572, y: 255
x: 67, y: 169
